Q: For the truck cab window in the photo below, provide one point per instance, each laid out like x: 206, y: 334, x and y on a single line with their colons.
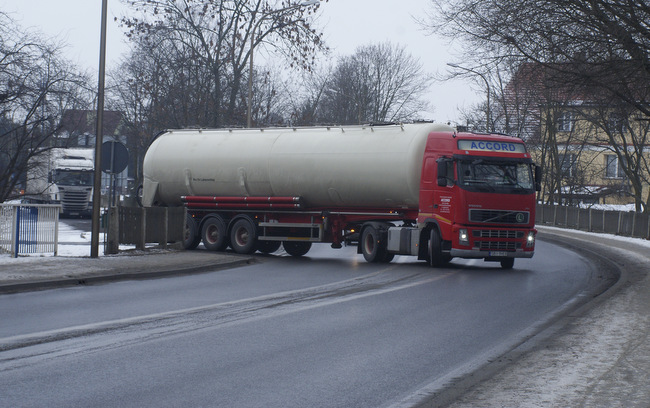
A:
x: 73, y: 178
x: 489, y: 175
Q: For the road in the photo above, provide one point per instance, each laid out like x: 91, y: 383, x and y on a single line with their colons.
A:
x: 328, y: 330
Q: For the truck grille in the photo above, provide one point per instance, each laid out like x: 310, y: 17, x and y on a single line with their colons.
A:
x: 74, y: 200
x: 497, y: 245
x: 499, y: 216
x: 498, y: 234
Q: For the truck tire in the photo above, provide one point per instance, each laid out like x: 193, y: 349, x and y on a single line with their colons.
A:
x: 243, y: 236
x: 191, y: 237
x: 373, y: 247
x: 267, y: 247
x: 436, y: 257
x: 214, y: 234
x: 296, y: 248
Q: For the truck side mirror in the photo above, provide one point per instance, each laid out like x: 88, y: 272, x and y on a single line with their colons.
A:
x: 442, y: 173
x: 538, y: 178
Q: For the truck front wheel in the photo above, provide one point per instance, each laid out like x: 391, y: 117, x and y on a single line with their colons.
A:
x: 436, y: 257
x: 243, y: 236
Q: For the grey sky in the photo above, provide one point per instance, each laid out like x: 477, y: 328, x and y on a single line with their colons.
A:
x: 346, y: 24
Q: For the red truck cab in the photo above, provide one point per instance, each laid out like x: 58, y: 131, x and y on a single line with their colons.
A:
x: 477, y: 198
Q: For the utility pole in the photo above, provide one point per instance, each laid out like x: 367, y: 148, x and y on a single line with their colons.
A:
x: 99, y: 136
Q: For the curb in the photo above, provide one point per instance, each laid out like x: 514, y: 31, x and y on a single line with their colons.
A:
x: 112, y: 276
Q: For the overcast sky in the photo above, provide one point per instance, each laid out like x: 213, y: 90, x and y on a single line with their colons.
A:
x: 346, y: 25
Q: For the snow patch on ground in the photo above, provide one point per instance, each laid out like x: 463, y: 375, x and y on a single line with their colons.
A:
x: 72, y: 243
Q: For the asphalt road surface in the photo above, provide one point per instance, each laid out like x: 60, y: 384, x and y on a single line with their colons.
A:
x: 328, y: 330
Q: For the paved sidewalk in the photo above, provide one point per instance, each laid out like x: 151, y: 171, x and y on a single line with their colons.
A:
x: 33, y: 273
x: 73, y: 265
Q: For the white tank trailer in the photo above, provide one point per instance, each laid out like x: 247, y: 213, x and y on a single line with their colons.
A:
x: 371, y: 166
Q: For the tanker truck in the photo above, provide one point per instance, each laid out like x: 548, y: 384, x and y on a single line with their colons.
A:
x: 418, y: 189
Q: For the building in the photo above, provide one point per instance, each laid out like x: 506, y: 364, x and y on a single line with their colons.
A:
x: 594, y: 148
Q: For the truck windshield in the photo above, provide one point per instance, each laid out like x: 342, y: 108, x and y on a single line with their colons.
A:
x: 483, y: 174
x: 73, y: 178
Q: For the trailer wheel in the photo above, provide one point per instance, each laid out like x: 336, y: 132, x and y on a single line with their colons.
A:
x: 214, y: 234
x: 191, y: 238
x: 267, y: 247
x: 296, y: 248
x: 507, y: 263
x: 243, y: 236
x: 372, y: 247
x: 436, y: 257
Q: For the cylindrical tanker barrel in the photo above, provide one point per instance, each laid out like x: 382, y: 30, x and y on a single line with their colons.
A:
x: 328, y: 167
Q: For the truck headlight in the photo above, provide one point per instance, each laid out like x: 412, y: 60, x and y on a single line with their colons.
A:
x: 530, y: 239
x: 463, y: 237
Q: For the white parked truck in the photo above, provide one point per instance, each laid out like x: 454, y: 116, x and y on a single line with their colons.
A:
x: 415, y: 189
x: 65, y: 176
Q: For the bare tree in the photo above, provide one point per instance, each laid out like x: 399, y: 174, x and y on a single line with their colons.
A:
x: 134, y: 90
x: 603, y: 44
x: 304, y: 97
x: 378, y: 83
x: 628, y: 139
x: 36, y: 86
x: 206, y: 47
x: 271, y: 99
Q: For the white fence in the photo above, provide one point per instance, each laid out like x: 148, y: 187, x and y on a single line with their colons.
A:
x: 29, y: 228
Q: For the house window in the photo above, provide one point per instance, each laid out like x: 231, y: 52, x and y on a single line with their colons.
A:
x: 565, y: 122
x: 613, y: 168
x: 86, y: 140
x: 616, y: 123
x: 568, y: 165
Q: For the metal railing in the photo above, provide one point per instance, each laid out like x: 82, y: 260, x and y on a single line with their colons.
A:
x: 29, y: 228
x: 625, y: 223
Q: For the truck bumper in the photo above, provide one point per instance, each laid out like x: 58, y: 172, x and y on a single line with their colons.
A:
x: 471, y: 253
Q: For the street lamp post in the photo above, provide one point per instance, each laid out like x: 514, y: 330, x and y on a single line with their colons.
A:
x: 97, y: 179
x: 249, y: 120
x: 487, y: 85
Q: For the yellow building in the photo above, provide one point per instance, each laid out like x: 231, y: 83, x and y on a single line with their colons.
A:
x: 593, y: 154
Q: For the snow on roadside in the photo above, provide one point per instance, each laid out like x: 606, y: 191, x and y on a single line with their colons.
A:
x: 637, y: 241
x: 600, y: 359
x: 72, y: 243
